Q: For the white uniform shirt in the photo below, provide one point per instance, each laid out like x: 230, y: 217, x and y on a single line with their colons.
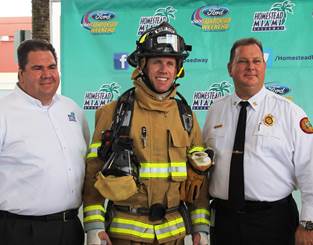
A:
x: 278, y: 153
x: 42, y: 152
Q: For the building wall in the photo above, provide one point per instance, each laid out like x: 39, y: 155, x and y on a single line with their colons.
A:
x: 8, y: 64
x: 8, y: 26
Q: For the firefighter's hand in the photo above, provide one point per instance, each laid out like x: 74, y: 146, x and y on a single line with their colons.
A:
x: 190, y: 188
x: 200, y: 238
x: 98, y: 237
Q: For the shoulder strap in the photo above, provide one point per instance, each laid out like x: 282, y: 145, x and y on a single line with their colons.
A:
x: 123, y: 113
x: 185, y: 113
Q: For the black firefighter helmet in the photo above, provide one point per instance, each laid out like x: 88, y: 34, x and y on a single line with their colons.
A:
x: 161, y: 40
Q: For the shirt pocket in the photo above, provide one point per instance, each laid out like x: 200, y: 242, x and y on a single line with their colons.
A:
x: 178, y: 145
x: 216, y: 139
x: 269, y: 141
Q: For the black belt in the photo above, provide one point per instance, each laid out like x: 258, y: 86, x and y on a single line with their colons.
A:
x: 251, y: 206
x: 61, y: 216
x: 141, y: 211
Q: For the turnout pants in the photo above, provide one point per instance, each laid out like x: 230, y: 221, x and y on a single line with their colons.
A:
x: 57, y: 229
x: 127, y: 242
x: 259, y: 223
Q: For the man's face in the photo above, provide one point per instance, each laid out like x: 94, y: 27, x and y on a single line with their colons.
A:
x: 247, y: 70
x: 40, y: 78
x: 161, y: 72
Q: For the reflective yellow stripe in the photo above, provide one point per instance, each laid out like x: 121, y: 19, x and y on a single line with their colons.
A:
x: 143, y: 38
x: 131, y: 232
x: 200, y: 220
x: 93, y: 207
x: 163, y: 170
x: 200, y: 211
x: 196, y: 148
x: 169, y: 229
x: 95, y: 217
x: 93, y: 150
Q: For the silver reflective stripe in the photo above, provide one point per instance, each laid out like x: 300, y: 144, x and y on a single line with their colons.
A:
x: 154, y: 170
x: 131, y: 227
x: 126, y: 121
x: 94, y: 212
x: 170, y: 229
x: 163, y: 170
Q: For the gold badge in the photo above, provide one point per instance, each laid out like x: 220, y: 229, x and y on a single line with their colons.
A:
x: 269, y: 120
x: 306, y: 126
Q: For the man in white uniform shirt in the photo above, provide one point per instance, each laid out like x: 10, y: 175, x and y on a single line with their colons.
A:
x: 43, y: 142
x: 277, y: 159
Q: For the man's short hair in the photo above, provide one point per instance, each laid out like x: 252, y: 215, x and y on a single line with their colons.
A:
x: 33, y: 45
x: 244, y: 42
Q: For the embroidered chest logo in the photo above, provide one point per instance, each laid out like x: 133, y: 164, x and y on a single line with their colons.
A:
x: 72, y: 117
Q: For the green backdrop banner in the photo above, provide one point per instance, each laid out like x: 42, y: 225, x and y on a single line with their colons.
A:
x: 98, y: 35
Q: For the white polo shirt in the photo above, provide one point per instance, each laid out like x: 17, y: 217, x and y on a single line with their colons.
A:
x: 278, y: 154
x: 42, y: 154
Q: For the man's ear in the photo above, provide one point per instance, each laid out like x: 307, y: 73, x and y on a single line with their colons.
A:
x: 229, y: 66
x: 19, y: 74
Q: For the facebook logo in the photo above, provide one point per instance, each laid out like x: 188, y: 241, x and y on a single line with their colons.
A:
x: 120, y: 61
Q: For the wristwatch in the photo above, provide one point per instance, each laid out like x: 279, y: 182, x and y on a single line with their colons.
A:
x: 308, y: 225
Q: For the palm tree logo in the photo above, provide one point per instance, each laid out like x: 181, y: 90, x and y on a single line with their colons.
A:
x: 285, y: 6
x: 222, y: 88
x: 110, y: 88
x: 168, y: 12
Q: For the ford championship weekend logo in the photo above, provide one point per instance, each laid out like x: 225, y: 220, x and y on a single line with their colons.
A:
x: 160, y: 15
x: 99, y: 22
x: 93, y: 100
x: 274, y: 19
x: 211, y: 18
x: 277, y: 88
x: 203, y: 99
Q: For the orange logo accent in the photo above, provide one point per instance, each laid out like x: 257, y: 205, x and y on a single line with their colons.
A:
x: 306, y: 126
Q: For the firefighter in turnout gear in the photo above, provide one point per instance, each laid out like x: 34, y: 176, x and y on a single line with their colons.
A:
x: 138, y: 158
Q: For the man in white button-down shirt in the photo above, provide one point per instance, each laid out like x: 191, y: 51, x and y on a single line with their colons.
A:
x: 43, y: 142
x: 277, y: 159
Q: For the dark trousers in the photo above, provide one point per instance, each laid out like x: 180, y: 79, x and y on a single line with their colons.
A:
x: 256, y: 225
x: 17, y: 231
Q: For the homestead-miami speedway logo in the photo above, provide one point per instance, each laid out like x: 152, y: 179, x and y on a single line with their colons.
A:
x: 203, y: 99
x: 93, y: 100
x: 273, y: 19
x: 211, y: 18
x: 160, y: 15
x: 99, y: 22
